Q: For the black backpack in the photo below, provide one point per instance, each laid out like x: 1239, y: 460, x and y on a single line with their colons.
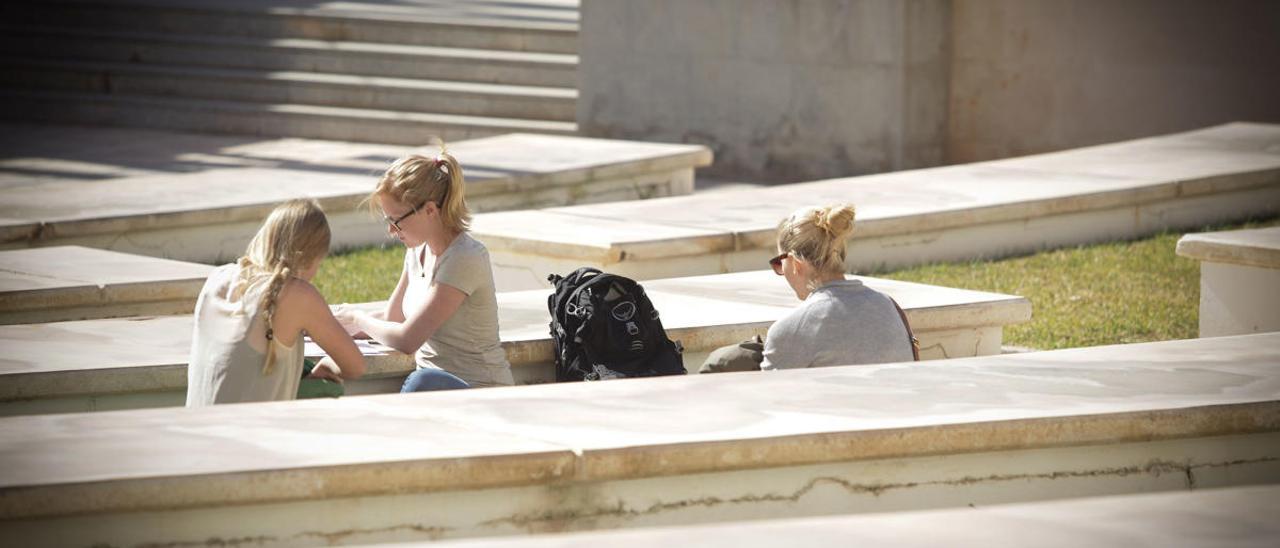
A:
x: 603, y: 326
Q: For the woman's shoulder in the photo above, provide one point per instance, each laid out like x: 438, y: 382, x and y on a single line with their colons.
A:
x: 298, y: 289
x: 794, y: 319
x: 224, y: 272
x: 467, y: 244
x: 219, y: 278
x: 468, y: 250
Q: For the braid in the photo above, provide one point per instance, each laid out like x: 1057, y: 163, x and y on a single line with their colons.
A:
x: 269, y: 302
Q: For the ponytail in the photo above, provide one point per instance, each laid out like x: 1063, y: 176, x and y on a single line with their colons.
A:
x: 416, y: 179
x: 453, y: 206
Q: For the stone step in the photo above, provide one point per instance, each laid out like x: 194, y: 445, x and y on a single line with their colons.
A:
x: 1239, y: 279
x: 141, y: 362
x: 75, y: 283
x: 293, y: 54
x: 648, y: 453
x: 550, y: 28
x: 97, y: 187
x: 1241, y: 517
x: 260, y: 119
x: 294, y: 87
x: 963, y: 212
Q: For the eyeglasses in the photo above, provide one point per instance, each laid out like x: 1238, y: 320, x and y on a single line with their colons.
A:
x: 396, y: 221
x: 776, y: 263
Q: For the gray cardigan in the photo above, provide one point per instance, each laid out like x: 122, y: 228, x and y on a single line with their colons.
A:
x: 840, y: 323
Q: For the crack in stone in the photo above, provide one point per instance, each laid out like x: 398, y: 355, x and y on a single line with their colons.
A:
x: 211, y: 541
x: 940, y: 349
x: 336, y: 537
x: 1154, y: 467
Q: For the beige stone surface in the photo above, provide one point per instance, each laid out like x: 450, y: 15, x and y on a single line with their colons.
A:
x: 1238, y: 299
x: 34, y: 281
x: 1242, y: 516
x: 150, y: 353
x: 273, y: 452
x: 1232, y: 157
x: 1258, y: 247
x: 211, y: 180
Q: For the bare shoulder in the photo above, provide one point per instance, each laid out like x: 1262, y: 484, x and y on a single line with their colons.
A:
x: 299, y: 293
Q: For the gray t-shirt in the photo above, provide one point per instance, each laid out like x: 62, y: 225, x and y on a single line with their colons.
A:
x: 840, y: 323
x: 467, y: 343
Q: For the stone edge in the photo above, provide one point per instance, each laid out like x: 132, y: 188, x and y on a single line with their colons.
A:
x: 576, y: 465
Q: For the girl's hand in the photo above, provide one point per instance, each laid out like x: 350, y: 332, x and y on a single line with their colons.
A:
x: 347, y: 316
x: 326, y: 370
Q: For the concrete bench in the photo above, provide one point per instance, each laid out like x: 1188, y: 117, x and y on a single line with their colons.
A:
x: 1169, y: 416
x: 141, y: 362
x: 1240, y: 516
x: 1239, y: 280
x: 209, y: 213
x: 962, y: 212
x: 74, y: 283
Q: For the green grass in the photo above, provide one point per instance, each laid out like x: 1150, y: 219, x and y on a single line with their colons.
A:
x: 1120, y: 292
x: 1113, y: 293
x: 362, y: 275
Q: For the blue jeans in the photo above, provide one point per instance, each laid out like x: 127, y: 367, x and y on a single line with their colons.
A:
x: 425, y: 380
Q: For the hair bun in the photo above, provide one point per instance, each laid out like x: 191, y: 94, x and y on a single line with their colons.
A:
x: 835, y: 220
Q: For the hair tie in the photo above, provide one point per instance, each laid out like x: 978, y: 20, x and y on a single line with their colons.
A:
x: 439, y: 161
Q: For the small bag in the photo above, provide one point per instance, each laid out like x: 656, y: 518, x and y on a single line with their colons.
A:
x: 744, y: 356
x: 317, y: 388
x: 915, y: 343
x: 603, y: 326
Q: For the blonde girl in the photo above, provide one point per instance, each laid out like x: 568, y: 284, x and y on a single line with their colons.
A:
x: 444, y: 310
x: 251, y: 316
x: 841, y: 321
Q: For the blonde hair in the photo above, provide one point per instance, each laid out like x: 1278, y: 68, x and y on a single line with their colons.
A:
x: 817, y: 236
x: 417, y: 179
x: 294, y: 236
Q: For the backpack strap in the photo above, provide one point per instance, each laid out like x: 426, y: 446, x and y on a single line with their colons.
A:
x: 915, y: 343
x: 574, y: 277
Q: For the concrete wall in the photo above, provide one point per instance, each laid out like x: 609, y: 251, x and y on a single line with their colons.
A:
x: 787, y: 90
x: 1039, y: 75
x: 779, y: 89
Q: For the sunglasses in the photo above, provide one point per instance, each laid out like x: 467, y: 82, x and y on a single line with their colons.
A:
x: 776, y: 263
x: 396, y: 221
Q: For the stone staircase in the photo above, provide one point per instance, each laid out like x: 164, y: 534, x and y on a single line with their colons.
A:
x: 387, y: 72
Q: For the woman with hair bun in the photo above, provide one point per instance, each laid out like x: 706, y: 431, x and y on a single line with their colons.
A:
x: 444, y: 310
x: 841, y: 321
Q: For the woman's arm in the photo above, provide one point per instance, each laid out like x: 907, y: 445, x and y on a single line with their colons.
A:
x: 316, y: 320
x: 394, y: 312
x: 784, y: 346
x: 409, y: 335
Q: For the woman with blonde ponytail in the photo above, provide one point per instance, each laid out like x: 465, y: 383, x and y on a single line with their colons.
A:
x: 444, y: 310
x: 841, y: 321
x: 251, y: 315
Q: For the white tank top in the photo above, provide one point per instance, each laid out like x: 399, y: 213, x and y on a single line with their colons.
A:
x: 228, y: 348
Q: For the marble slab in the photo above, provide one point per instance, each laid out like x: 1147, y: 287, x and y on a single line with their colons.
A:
x: 1239, y: 280
x: 170, y: 459
x: 142, y: 354
x: 74, y: 283
x: 100, y: 185
x: 1111, y: 191
x: 1241, y: 517
x: 1258, y: 247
